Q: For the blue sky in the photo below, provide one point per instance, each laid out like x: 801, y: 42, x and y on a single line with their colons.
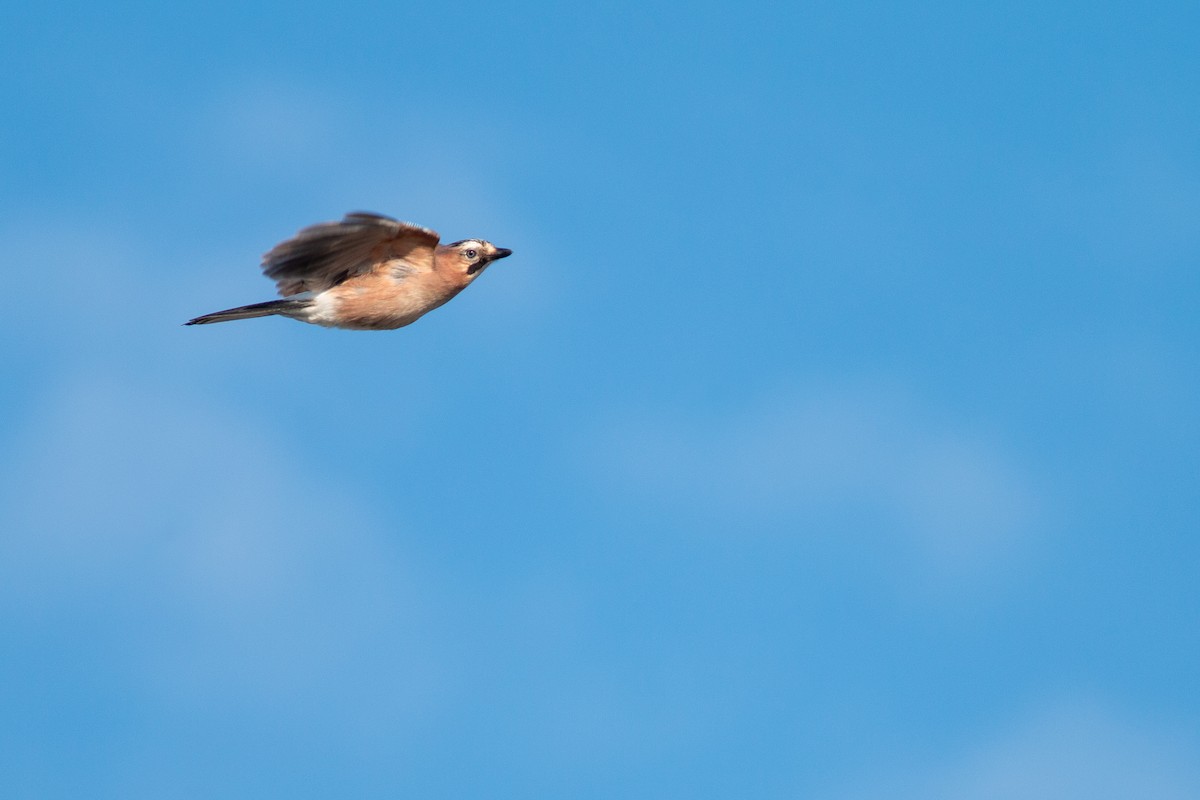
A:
x: 832, y: 432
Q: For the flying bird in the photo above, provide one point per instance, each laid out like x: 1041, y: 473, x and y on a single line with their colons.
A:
x: 367, y: 272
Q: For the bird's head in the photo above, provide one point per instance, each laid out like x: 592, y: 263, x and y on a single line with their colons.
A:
x: 471, y: 256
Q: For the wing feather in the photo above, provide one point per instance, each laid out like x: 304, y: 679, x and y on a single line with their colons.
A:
x: 323, y: 255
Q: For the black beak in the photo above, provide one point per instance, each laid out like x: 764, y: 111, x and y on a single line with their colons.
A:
x: 502, y: 252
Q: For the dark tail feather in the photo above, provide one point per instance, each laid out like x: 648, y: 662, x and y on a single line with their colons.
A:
x: 254, y: 310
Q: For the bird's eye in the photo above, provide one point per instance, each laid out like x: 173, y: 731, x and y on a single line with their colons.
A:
x: 470, y: 254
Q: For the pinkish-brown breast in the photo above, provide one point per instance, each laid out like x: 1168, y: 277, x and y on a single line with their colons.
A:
x: 379, y: 301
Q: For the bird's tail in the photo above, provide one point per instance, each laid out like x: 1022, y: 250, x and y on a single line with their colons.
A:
x: 287, y: 307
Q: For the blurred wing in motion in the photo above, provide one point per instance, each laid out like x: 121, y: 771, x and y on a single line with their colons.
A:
x: 323, y: 255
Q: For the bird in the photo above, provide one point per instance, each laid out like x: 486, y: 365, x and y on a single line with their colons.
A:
x: 365, y: 272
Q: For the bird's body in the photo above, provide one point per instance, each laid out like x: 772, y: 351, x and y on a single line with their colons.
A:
x: 367, y: 272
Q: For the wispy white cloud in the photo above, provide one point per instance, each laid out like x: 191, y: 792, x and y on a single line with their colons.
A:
x: 955, y: 495
x: 68, y: 273
x: 223, y: 567
x: 1069, y: 750
x: 271, y: 123
x: 1128, y: 204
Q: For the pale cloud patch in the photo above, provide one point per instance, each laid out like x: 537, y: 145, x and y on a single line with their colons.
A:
x: 97, y: 292
x: 955, y: 495
x: 67, y: 273
x: 267, y: 123
x: 223, y: 567
x: 1132, y: 205
x: 1069, y: 750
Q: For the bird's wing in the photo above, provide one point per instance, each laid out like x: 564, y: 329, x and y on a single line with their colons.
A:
x: 324, y: 255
